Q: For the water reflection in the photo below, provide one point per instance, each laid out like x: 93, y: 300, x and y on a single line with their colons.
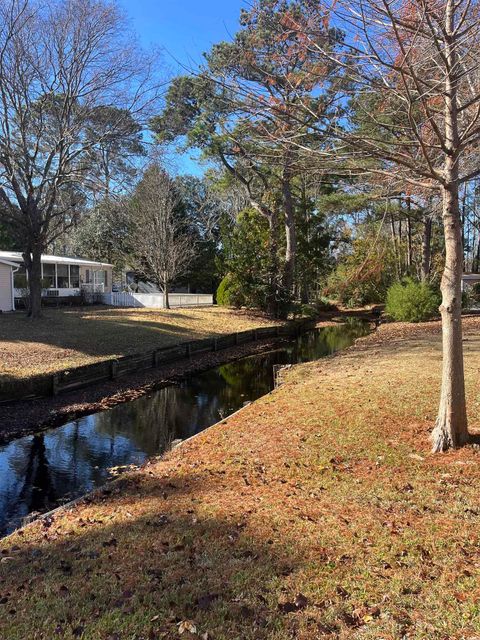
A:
x: 39, y: 472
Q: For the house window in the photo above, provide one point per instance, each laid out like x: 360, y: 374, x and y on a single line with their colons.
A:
x: 49, y: 276
x: 62, y: 276
x: 74, y: 276
x: 101, y: 277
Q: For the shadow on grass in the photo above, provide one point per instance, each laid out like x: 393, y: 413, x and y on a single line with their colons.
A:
x: 104, y: 332
x: 140, y: 578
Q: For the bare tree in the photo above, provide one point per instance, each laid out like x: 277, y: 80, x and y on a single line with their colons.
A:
x: 162, y: 246
x: 417, y: 63
x: 60, y: 61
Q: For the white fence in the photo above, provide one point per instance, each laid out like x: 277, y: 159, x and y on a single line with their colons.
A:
x: 155, y: 300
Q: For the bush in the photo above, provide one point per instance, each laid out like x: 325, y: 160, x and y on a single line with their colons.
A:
x: 364, y: 274
x: 229, y: 292
x: 471, y: 296
x: 312, y: 310
x: 476, y: 292
x: 324, y: 304
x: 302, y: 310
x: 412, y: 301
x: 308, y: 311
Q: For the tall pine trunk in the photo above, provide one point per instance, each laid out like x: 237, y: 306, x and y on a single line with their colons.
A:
x: 409, y: 236
x: 396, y: 251
x: 290, y: 234
x: 426, y: 248
x: 451, y: 429
x: 272, y: 300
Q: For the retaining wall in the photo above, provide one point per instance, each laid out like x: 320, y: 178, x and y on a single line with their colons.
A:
x: 84, y: 376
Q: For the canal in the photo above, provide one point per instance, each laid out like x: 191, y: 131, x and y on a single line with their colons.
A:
x: 40, y: 472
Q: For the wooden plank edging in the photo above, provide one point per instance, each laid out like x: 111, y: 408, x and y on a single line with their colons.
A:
x: 73, y: 379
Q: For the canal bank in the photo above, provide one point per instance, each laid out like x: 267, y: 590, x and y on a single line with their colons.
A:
x: 36, y: 415
x: 37, y: 472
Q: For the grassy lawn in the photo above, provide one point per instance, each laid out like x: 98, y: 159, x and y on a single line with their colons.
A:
x: 66, y: 338
x: 316, y: 512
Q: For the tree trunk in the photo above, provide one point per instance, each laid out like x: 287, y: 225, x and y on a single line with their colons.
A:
x: 395, y: 247
x: 463, y: 218
x: 304, y: 295
x: 426, y: 248
x: 290, y: 235
x: 33, y: 265
x: 166, y: 296
x: 451, y: 429
x: 409, y: 236
x: 476, y: 261
x: 272, y: 306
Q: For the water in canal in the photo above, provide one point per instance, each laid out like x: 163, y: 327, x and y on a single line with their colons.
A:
x: 40, y: 472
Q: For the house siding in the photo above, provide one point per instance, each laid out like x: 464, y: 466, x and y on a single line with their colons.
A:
x: 6, y: 302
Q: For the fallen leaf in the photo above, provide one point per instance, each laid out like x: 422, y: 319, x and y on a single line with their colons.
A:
x: 299, y: 603
x: 186, y: 625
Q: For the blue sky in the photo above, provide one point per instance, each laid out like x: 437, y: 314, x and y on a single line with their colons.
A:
x: 184, y: 29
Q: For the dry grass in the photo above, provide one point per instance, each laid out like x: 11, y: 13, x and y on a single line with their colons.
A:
x: 317, y: 512
x: 66, y: 338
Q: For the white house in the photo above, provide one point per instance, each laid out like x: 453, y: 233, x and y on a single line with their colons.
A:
x: 469, y: 279
x: 7, y: 297
x: 64, y: 276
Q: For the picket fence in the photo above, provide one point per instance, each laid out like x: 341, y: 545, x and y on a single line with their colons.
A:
x: 155, y: 300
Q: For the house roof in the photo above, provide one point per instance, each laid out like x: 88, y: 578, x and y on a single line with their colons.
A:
x: 7, y: 262
x: 16, y: 258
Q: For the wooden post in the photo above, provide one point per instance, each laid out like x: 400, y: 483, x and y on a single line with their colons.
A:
x: 215, y: 344
x: 114, y: 369
x: 236, y: 338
